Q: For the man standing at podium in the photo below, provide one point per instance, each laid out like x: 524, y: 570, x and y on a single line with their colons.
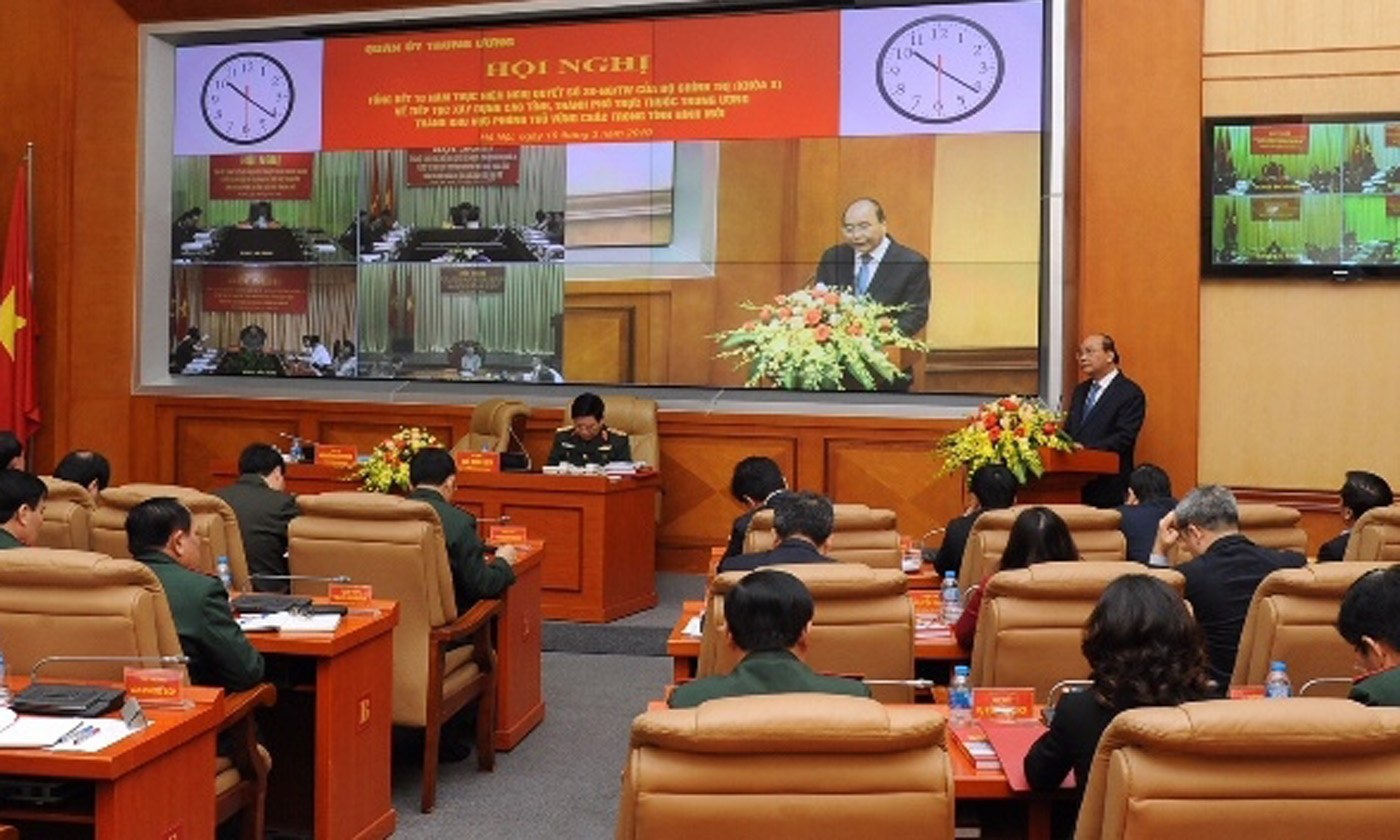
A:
x: 871, y: 263
x: 1106, y: 412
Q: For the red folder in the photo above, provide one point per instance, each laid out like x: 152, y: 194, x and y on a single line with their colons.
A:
x: 1012, y: 740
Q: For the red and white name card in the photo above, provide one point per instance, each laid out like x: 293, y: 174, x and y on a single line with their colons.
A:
x: 1003, y: 703
x: 479, y: 462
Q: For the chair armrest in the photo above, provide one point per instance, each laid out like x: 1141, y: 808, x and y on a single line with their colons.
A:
x: 468, y: 623
x: 239, y: 704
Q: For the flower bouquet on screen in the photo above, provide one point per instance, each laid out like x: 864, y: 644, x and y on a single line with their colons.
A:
x: 1010, y: 431
x: 386, y: 471
x: 818, y: 340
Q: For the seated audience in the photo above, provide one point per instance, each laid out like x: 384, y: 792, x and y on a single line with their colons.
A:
x: 755, y: 482
x: 1227, y: 568
x: 1149, y: 499
x: 158, y: 534
x: 586, y: 440
x: 86, y: 468
x: 11, y: 451
x: 21, y: 508
x: 994, y: 488
x: 1038, y: 535
x: 186, y: 350
x: 1361, y: 492
x: 802, y: 522
x: 768, y: 614
x: 1143, y: 649
x: 433, y: 474
x: 264, y: 510
x: 1369, y: 619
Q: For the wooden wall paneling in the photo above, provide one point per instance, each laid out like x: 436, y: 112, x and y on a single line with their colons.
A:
x: 200, y: 441
x: 1322, y: 518
x: 894, y: 474
x: 365, y: 434
x: 598, y: 343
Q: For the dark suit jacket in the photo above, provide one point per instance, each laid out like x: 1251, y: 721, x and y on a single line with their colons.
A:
x: 790, y: 550
x: 263, y: 516
x: 950, y: 553
x: 1139, y: 526
x: 220, y: 655
x: 1220, y: 584
x: 764, y: 672
x: 1069, y: 744
x: 902, y: 278
x: 1334, y: 549
x: 1113, y: 425
x: 472, y: 577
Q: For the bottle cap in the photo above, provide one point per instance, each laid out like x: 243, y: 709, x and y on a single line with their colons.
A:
x: 961, y: 670
x: 1278, y: 665
x: 950, y: 576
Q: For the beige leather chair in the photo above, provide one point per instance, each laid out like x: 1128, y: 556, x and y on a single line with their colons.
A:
x: 1293, y: 617
x: 56, y: 602
x: 1031, y: 623
x: 214, y: 522
x: 859, y: 535
x: 1272, y: 526
x: 491, y: 426
x: 863, y: 625
x: 1375, y: 537
x: 397, y: 546
x: 68, y: 511
x: 1095, y: 533
x: 637, y: 417
x: 1300, y: 768
x: 787, y: 766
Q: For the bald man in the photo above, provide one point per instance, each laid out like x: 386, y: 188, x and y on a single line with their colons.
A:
x: 871, y: 263
x: 1106, y: 411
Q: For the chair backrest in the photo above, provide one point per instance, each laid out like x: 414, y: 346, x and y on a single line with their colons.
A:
x: 1305, y: 767
x: 859, y: 535
x: 68, y: 511
x: 395, y: 545
x: 59, y: 602
x: 1031, y: 623
x: 1095, y: 533
x: 214, y: 522
x: 863, y: 624
x: 637, y: 417
x: 1375, y: 537
x: 1272, y: 526
x: 1293, y: 618
x: 786, y: 765
x: 490, y: 429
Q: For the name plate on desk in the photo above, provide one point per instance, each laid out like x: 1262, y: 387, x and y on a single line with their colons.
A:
x: 156, y: 686
x: 479, y: 462
x: 507, y: 535
x: 1003, y: 703
x: 336, y: 456
x: 350, y: 594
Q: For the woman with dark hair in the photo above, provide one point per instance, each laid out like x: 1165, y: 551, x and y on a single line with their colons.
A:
x: 1144, y: 649
x: 1038, y: 535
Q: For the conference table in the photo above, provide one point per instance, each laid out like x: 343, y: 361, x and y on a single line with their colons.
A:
x: 146, y: 785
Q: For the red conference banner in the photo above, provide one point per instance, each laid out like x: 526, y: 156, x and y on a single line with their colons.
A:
x: 1275, y: 208
x: 472, y: 166
x: 254, y: 289
x: 717, y: 78
x: 262, y: 177
x: 1278, y: 140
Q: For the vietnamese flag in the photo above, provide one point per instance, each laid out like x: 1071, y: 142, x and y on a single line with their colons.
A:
x: 19, y: 400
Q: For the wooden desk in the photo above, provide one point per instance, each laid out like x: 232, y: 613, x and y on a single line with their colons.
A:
x: 685, y: 650
x: 519, y: 696
x: 341, y: 695
x: 158, y: 783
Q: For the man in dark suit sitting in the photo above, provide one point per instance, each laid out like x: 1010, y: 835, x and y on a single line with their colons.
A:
x: 21, y: 508
x: 993, y: 487
x: 1106, y: 412
x: 768, y: 614
x: 871, y: 263
x: 264, y: 510
x: 1225, y: 571
x: 803, y: 522
x: 1361, y: 492
x: 1149, y: 499
x: 755, y: 482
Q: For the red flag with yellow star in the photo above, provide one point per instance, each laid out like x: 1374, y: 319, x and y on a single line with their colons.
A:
x: 19, y: 398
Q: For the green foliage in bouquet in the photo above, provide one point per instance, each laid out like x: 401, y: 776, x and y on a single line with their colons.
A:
x: 1009, y: 431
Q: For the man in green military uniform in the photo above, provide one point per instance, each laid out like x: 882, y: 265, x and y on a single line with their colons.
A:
x: 587, y: 440
x: 21, y: 508
x: 769, y: 613
x: 1369, y: 619
x: 264, y: 510
x: 433, y: 474
x: 158, y: 534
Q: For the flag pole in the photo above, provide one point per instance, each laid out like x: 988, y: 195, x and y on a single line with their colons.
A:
x: 29, y: 211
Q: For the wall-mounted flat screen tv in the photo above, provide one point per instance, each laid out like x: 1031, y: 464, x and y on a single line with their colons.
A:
x: 1301, y: 196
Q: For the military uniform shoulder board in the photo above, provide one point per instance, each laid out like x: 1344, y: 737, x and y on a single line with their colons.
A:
x: 568, y: 428
x: 617, y: 432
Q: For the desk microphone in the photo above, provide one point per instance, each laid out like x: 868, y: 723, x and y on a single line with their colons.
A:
x: 159, y: 660
x: 923, y: 685
x: 315, y: 578
x: 500, y: 520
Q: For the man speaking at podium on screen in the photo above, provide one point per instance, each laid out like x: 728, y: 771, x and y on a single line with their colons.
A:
x: 1106, y: 412
x: 871, y: 263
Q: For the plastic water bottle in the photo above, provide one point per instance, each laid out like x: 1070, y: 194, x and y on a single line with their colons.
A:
x: 4, y: 686
x: 960, y: 695
x: 952, y: 599
x: 296, y: 450
x: 1278, y: 686
x: 225, y: 572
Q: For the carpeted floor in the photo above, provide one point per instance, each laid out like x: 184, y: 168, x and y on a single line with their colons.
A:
x: 643, y: 634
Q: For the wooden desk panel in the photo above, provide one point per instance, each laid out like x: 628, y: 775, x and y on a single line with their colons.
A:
x: 519, y: 693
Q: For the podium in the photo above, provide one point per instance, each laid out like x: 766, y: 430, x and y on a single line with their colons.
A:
x: 1065, y: 475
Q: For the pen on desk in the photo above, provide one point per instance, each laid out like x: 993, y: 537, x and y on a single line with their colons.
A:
x: 81, y: 734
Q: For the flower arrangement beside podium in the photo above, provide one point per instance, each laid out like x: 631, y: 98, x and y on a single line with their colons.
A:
x: 1010, y: 431
x: 386, y: 471
x: 818, y: 339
